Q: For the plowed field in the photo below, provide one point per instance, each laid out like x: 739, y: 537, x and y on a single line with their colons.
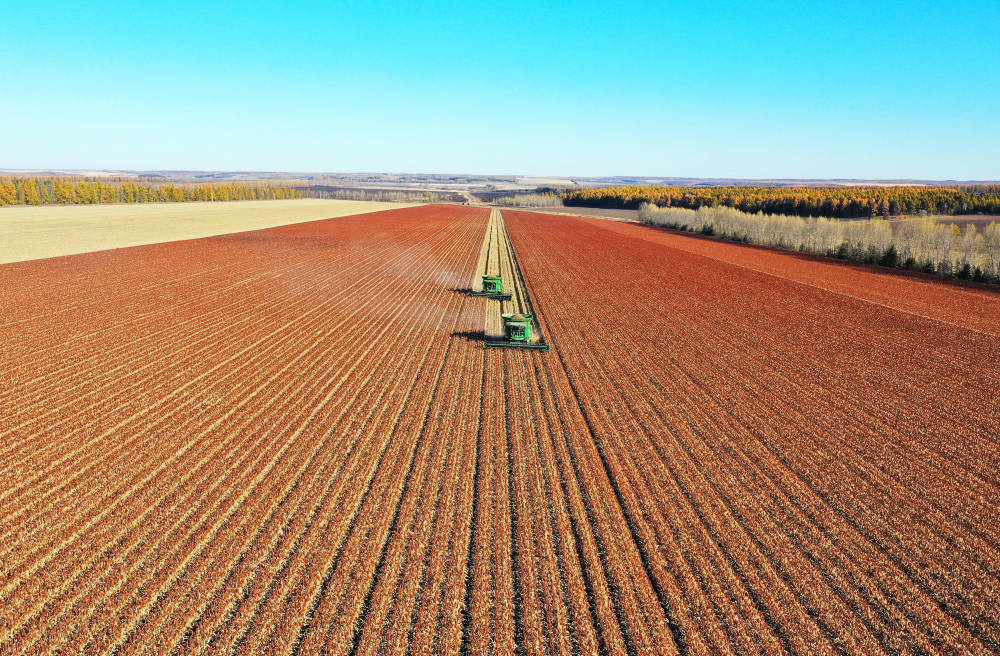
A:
x: 293, y: 441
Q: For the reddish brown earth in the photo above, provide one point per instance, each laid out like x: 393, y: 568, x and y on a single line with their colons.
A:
x: 974, y: 306
x: 292, y: 441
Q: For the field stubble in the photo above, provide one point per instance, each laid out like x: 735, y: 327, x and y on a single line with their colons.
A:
x: 29, y: 233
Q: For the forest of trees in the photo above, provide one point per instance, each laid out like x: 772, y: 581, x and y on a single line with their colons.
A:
x: 920, y: 243
x: 88, y: 191
x: 837, y: 202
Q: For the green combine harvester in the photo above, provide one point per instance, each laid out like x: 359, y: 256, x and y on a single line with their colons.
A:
x: 517, y: 333
x: 517, y: 327
x: 493, y: 288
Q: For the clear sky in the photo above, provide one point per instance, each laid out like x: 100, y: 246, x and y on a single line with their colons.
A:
x: 703, y: 89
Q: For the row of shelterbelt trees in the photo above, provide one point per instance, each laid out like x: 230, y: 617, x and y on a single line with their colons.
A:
x: 87, y: 191
x: 920, y: 243
x: 381, y: 195
x: 837, y: 202
x: 529, y: 200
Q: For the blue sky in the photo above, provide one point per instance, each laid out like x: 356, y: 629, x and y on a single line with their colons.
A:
x: 712, y: 89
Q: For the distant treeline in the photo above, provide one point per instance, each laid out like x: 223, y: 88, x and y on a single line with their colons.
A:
x: 839, y: 202
x: 382, y: 195
x: 921, y: 243
x: 91, y: 191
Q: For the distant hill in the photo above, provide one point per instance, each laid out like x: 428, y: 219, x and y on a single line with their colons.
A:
x: 474, y: 182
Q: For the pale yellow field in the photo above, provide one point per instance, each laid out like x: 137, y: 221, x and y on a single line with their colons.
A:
x: 30, y: 233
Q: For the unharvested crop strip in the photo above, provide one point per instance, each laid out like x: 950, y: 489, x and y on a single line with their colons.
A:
x: 497, y: 258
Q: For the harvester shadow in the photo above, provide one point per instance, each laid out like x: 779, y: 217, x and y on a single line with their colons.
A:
x: 471, y: 335
x: 461, y: 290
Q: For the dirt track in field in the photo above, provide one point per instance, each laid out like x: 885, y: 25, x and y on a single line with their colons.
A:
x: 290, y: 441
